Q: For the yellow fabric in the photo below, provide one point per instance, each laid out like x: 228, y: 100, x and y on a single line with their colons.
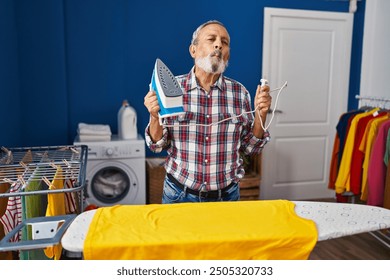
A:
x: 55, y: 207
x: 343, y: 178
x: 365, y: 147
x: 200, y: 231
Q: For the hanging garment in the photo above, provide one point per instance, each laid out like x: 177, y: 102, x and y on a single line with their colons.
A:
x: 386, y: 199
x: 338, y: 148
x: 376, y: 175
x: 13, y: 214
x: 3, y: 206
x: 357, y: 155
x: 342, y: 129
x: 33, y: 206
x: 343, y: 177
x: 365, y: 147
x: 3, y: 200
x: 71, y: 205
x: 56, y: 207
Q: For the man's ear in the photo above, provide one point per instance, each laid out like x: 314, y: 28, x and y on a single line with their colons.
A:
x: 192, y: 50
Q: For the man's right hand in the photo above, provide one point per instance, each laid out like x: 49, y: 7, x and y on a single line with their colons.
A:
x: 151, y: 103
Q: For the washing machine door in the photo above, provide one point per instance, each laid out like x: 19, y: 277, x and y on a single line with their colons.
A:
x: 109, y: 185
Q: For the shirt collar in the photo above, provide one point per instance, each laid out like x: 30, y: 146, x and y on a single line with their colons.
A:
x: 192, y: 83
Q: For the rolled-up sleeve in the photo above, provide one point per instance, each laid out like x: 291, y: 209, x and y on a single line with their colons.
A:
x: 158, y: 146
x: 253, y: 145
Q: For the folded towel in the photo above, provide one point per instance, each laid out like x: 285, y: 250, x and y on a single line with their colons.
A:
x: 94, y: 129
x: 84, y: 137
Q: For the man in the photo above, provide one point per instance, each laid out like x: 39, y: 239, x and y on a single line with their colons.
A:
x: 203, y: 162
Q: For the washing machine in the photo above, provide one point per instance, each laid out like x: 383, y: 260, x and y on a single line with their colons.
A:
x: 115, y: 171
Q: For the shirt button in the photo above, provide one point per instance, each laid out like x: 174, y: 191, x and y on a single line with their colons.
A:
x: 208, y: 116
x: 206, y: 161
x: 207, y: 138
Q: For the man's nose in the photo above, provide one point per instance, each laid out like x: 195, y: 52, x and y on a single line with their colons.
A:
x: 218, y: 45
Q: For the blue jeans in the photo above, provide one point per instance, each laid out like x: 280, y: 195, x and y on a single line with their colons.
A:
x: 174, y: 194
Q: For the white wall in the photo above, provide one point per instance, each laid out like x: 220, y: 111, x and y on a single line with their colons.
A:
x: 375, y: 75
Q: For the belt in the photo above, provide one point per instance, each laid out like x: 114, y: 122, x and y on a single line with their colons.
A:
x: 203, y: 194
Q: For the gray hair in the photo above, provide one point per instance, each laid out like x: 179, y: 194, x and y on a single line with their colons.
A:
x: 195, y: 35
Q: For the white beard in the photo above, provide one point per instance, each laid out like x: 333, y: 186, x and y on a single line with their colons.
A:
x: 206, y: 64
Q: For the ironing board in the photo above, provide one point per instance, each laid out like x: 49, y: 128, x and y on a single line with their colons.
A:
x: 332, y: 220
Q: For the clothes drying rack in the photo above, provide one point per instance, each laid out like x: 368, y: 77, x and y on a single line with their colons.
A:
x: 26, y: 164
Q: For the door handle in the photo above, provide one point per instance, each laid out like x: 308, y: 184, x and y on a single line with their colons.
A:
x: 277, y: 111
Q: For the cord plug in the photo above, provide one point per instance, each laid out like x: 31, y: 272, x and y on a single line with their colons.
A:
x: 263, y: 82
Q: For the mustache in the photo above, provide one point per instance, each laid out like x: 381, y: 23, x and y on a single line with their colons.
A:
x: 216, y: 53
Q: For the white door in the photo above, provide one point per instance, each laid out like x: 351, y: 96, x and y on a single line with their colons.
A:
x: 311, y: 50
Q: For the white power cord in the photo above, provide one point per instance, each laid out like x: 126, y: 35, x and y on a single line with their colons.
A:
x: 279, y: 89
x: 276, y: 103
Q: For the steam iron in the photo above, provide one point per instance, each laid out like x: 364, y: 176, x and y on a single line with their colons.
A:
x: 168, y: 91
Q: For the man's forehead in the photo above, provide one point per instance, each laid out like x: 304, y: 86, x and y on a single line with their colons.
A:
x: 213, y: 28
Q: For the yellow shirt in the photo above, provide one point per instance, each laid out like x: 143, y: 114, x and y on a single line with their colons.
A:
x: 200, y: 231
x: 343, y: 177
x: 55, y: 207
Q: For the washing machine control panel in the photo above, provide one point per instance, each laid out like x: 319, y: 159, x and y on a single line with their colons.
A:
x: 121, y: 151
x: 116, y: 149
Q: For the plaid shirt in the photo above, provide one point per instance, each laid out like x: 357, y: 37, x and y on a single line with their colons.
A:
x: 208, y: 157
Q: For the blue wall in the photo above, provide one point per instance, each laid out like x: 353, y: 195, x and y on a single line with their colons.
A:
x: 10, y: 112
x: 68, y: 61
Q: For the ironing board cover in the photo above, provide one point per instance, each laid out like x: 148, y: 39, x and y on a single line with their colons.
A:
x: 200, y: 231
